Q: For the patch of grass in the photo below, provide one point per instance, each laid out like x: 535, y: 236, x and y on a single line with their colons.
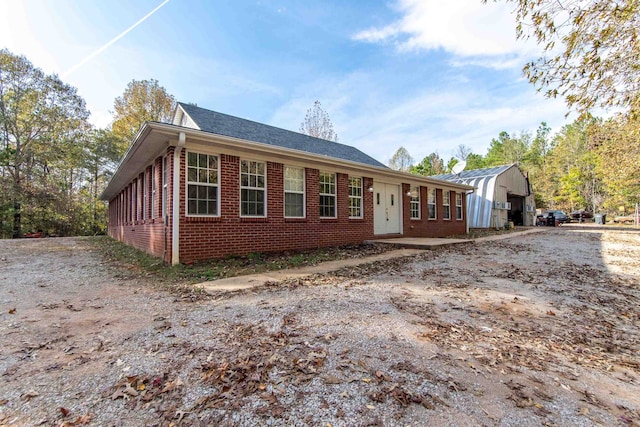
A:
x: 136, y: 263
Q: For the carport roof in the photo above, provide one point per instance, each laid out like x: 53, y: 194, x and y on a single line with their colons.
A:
x: 469, y: 175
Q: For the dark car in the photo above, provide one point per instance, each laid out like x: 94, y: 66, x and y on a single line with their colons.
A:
x: 559, y: 217
x: 581, y: 215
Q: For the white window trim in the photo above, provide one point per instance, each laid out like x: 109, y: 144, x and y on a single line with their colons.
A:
x: 132, y: 197
x: 360, y: 197
x: 165, y: 189
x: 414, y: 200
x: 444, y: 211
x: 303, y: 192
x: 154, y: 191
x: 253, y: 188
x: 187, y: 182
x: 334, y: 195
x: 435, y: 204
x: 459, y: 206
x: 145, y: 195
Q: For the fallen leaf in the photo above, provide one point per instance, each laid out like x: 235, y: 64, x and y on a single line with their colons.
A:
x: 64, y: 411
x: 28, y: 395
x: 330, y: 379
x: 130, y: 390
x: 550, y: 313
x: 12, y: 311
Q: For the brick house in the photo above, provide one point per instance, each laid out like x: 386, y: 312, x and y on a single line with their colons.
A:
x: 211, y: 185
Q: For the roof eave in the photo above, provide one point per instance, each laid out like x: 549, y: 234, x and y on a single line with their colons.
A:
x: 142, y: 144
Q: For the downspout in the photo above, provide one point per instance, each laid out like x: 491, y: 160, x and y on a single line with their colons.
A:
x: 466, y: 206
x: 175, y: 211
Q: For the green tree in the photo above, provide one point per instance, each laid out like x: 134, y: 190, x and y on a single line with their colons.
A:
x: 616, y: 142
x: 507, y: 150
x: 401, y: 160
x: 142, y: 100
x: 41, y: 121
x: 318, y: 124
x: 430, y: 165
x: 101, y: 156
x: 571, y: 168
x: 590, y: 50
x: 475, y: 161
x: 450, y: 164
x: 535, y: 164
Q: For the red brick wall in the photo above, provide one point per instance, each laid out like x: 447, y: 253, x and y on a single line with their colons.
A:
x: 147, y: 234
x: 230, y: 234
x: 429, y: 227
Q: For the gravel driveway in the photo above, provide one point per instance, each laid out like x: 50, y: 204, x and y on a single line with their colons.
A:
x: 542, y: 329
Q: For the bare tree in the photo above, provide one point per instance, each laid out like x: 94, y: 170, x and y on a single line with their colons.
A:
x: 401, y: 160
x: 462, y: 152
x: 318, y: 124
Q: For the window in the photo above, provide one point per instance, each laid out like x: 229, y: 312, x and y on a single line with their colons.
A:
x: 153, y: 191
x: 414, y: 203
x: 458, y: 205
x: 145, y: 195
x: 253, y: 178
x: 446, y: 204
x: 164, y: 187
x: 134, y: 201
x: 327, y: 195
x: 431, y: 203
x: 202, y: 184
x: 293, y: 192
x: 355, y: 197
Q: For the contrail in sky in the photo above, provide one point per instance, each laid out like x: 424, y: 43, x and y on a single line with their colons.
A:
x: 113, y: 40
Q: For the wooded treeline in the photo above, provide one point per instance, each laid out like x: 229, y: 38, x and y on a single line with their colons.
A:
x: 590, y: 164
x: 53, y: 163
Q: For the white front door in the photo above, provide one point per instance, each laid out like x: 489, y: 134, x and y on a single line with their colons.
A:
x: 386, y: 208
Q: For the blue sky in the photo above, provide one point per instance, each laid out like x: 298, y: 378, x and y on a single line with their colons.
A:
x: 428, y: 75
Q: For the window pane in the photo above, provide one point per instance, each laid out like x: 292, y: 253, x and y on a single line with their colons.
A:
x: 193, y: 207
x: 212, y: 193
x: 293, y: 204
x: 202, y: 160
x: 192, y: 175
x: 192, y: 159
x: 202, y: 192
x: 327, y: 206
x: 213, y: 177
x: 192, y: 191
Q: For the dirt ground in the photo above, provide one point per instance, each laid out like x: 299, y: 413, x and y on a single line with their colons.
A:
x: 542, y: 329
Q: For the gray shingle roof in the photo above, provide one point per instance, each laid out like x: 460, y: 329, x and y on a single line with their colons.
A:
x: 235, y: 127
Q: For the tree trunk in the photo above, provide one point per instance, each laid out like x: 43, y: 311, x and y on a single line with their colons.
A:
x: 17, y: 227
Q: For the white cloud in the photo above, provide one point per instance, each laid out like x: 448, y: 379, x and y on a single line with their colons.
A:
x: 464, y: 28
x: 424, y: 121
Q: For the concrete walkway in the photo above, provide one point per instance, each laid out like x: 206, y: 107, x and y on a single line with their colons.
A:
x: 409, y: 246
